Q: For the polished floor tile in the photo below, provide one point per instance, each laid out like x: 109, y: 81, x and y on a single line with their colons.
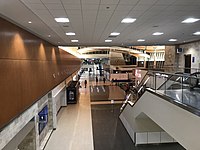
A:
x: 110, y: 134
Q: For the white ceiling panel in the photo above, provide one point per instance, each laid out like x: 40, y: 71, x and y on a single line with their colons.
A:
x: 129, y: 2
x: 124, y: 8
x: 51, y: 1
x: 74, y: 2
x: 72, y: 6
x: 110, y: 1
x: 74, y: 12
x: 90, y: 1
x: 89, y: 7
x: 54, y: 6
x: 37, y: 6
x: 141, y: 7
x: 147, y: 2
x: 58, y: 13
x: 94, y: 20
x: 32, y: 1
x: 165, y: 2
x: 42, y: 12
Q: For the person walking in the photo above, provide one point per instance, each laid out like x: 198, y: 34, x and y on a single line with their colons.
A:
x: 85, y: 83
x: 104, y: 80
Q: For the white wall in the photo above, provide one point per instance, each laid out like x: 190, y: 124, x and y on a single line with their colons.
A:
x: 194, y: 50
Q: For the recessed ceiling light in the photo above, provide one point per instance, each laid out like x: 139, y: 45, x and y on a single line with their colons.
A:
x: 172, y: 40
x: 74, y: 41
x: 29, y: 22
x: 141, y: 40
x: 70, y: 33
x: 61, y: 19
x: 190, y: 20
x: 158, y: 33
x: 128, y: 20
x: 49, y: 35
x: 115, y: 33
x: 197, y: 33
x: 108, y: 41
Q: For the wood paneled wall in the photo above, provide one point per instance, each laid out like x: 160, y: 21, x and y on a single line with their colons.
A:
x: 29, y: 68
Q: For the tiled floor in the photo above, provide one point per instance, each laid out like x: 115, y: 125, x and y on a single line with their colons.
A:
x: 77, y: 128
x: 74, y: 130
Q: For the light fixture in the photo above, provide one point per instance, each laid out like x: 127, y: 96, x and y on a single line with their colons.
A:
x: 190, y: 20
x: 29, y: 22
x: 141, y: 40
x: 197, y: 33
x: 172, y: 40
x: 115, y: 33
x: 74, y: 41
x: 49, y: 35
x: 70, y: 33
x: 128, y: 20
x: 62, y: 20
x: 158, y: 33
x: 108, y: 41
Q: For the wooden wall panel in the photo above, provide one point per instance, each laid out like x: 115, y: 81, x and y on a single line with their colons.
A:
x: 27, y: 65
x: 10, y: 101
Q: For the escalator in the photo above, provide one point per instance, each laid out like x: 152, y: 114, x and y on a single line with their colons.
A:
x: 169, y: 104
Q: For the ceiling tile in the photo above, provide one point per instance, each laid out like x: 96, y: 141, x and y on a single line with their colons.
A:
x: 54, y: 6
x: 124, y: 8
x: 42, y: 12
x: 51, y: 1
x: 129, y: 2
x: 90, y: 1
x: 73, y: 2
x: 72, y: 6
x: 165, y: 2
x: 147, y: 2
x: 58, y: 13
x: 32, y: 1
x: 89, y: 7
x: 98, y: 21
x: 37, y: 6
x: 110, y: 1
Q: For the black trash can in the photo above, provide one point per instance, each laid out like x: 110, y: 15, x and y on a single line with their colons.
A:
x: 73, y: 92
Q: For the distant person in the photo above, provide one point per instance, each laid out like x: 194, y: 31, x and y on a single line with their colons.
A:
x: 104, y: 80
x: 96, y: 79
x: 85, y: 83
x: 112, y: 81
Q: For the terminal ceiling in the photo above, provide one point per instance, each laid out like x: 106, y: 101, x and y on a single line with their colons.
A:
x: 94, y: 20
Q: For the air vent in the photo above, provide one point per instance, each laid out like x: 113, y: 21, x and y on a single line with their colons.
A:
x: 66, y: 25
x: 112, y: 36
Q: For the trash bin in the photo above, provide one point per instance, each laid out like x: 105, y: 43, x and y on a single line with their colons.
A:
x: 73, y: 92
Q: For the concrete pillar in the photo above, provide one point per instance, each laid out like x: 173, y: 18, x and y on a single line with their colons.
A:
x: 29, y: 142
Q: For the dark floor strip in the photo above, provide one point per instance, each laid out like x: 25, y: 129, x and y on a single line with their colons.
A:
x: 97, y: 100
x: 110, y: 134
